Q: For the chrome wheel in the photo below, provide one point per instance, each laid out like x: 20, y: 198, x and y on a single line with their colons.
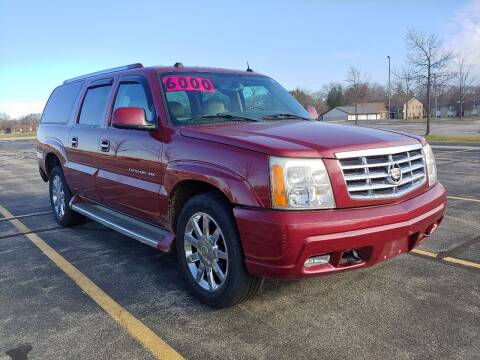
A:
x: 206, y: 252
x: 58, y: 196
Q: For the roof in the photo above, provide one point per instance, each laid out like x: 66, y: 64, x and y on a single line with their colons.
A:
x: 24, y: 126
x: 174, y: 68
x: 200, y: 69
x: 467, y: 105
x: 364, y: 108
x: 414, y: 98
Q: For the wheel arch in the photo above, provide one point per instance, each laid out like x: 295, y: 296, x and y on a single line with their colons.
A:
x: 51, y: 160
x: 183, y: 180
x: 184, y: 191
x: 54, y: 154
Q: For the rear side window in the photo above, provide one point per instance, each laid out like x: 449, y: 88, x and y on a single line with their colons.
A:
x: 60, y: 104
x: 95, y: 106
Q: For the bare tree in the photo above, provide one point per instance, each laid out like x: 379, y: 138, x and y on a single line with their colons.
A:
x: 4, y: 116
x: 406, y: 77
x: 4, y: 121
x: 463, y: 82
x: 427, y: 57
x: 357, y: 85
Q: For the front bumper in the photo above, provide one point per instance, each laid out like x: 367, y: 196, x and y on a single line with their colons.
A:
x: 277, y: 243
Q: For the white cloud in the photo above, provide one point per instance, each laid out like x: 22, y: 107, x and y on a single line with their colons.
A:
x: 19, y: 108
x: 465, y: 38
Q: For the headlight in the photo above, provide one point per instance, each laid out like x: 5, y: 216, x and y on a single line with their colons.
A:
x: 431, y: 166
x: 300, y: 184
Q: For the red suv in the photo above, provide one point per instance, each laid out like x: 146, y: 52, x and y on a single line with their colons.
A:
x: 229, y: 171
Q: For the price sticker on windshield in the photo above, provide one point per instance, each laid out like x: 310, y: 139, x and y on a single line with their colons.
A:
x: 188, y: 83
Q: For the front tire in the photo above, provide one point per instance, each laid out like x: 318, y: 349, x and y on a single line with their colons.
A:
x: 60, y: 196
x: 210, y: 254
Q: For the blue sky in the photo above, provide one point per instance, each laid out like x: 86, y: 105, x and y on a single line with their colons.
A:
x: 299, y: 43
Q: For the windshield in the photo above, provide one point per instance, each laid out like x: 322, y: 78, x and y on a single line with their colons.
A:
x: 208, y: 97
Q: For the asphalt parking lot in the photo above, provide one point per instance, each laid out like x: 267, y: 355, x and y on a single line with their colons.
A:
x: 416, y: 306
x: 468, y: 127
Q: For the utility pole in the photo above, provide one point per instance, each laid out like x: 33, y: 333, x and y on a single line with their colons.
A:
x: 389, y: 88
x: 475, y: 106
x: 435, y: 93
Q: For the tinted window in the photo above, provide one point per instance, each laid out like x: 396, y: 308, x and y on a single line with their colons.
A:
x: 133, y: 95
x: 258, y: 98
x: 60, y: 105
x: 209, y: 97
x: 94, y: 106
x: 178, y: 105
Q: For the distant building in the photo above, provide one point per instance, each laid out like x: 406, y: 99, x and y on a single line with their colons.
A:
x: 446, y: 111
x: 413, y: 109
x: 365, y: 111
x: 22, y: 129
x: 470, y: 110
x: 396, y: 111
x: 453, y: 110
x: 416, y: 110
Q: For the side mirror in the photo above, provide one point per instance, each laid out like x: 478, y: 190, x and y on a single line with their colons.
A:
x: 313, y: 112
x: 130, y: 118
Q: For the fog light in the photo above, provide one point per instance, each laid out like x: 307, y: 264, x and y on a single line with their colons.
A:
x: 317, y: 260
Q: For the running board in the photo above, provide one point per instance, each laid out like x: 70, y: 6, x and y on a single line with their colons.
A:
x: 128, y: 226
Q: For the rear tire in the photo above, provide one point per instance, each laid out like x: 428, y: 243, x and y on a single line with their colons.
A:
x: 60, y: 196
x: 210, y: 253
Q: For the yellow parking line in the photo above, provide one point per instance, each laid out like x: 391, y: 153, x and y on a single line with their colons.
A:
x: 447, y: 259
x: 425, y: 253
x: 26, y: 215
x: 151, y: 341
x: 461, y: 262
x: 463, y: 198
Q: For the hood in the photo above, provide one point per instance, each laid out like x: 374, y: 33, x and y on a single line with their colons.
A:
x: 297, y: 138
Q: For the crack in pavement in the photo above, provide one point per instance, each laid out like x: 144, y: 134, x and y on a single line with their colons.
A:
x: 31, y: 232
x: 26, y: 215
x: 459, y: 248
x: 465, y: 221
x: 52, y: 229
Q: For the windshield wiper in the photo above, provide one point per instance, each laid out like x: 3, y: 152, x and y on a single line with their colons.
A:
x: 284, y: 116
x: 222, y: 116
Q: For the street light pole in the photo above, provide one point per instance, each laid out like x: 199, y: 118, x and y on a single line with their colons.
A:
x: 435, y: 93
x: 475, y: 105
x: 389, y: 87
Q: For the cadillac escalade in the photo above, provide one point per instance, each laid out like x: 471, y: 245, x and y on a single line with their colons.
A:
x: 231, y: 173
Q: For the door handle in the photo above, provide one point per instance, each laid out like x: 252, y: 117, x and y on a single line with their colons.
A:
x: 105, y: 145
x: 74, y: 141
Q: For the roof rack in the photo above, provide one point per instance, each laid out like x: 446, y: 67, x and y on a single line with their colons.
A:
x: 107, y: 71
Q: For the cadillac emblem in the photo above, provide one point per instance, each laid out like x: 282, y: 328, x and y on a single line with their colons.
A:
x: 394, y: 173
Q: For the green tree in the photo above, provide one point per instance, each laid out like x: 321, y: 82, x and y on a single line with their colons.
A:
x: 302, y: 96
x: 335, y: 96
x: 306, y: 98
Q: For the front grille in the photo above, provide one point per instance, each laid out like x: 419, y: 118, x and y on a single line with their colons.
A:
x: 374, y: 173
